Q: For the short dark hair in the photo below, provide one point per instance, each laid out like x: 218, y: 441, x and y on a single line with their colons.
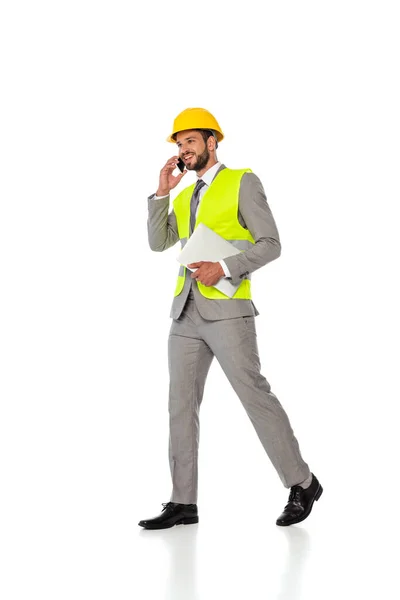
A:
x: 206, y: 133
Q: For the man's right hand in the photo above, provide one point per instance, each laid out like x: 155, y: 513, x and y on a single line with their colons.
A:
x: 167, y: 180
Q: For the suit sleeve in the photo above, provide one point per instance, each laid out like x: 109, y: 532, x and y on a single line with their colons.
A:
x: 162, y: 228
x: 257, y: 218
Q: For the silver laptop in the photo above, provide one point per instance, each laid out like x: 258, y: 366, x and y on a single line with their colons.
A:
x: 204, y: 244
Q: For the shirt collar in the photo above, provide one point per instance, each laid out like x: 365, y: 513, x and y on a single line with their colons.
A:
x: 209, y: 175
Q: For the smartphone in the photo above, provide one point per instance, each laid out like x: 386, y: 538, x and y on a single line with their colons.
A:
x: 181, y: 165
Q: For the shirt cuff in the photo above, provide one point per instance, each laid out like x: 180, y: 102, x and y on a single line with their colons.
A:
x: 155, y: 197
x: 225, y: 268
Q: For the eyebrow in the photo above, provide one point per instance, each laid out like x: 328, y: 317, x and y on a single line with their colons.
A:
x: 191, y: 137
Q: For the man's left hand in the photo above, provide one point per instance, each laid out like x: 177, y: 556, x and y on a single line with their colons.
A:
x: 207, y: 273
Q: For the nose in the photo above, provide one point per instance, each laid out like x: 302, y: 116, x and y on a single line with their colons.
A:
x: 183, y: 150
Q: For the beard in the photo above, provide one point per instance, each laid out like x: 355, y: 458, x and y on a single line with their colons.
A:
x: 201, y: 161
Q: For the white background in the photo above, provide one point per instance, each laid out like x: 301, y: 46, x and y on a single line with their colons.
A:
x: 307, y: 94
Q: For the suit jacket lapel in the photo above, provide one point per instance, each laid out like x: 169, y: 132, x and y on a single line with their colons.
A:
x: 219, y: 171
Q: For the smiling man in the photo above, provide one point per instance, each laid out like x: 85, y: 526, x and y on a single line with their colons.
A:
x: 206, y: 323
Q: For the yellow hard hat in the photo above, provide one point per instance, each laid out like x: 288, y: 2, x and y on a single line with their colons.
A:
x: 195, y: 118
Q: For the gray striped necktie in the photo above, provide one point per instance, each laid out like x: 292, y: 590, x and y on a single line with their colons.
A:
x: 194, y: 202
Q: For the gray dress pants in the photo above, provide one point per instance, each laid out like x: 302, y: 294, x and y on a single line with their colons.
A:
x: 193, y: 343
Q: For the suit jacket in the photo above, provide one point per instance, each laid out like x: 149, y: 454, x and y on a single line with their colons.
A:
x: 255, y: 215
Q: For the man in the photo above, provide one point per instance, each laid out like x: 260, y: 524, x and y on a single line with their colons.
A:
x: 206, y: 323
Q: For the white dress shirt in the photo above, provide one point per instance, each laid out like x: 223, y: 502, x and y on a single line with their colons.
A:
x: 207, y: 177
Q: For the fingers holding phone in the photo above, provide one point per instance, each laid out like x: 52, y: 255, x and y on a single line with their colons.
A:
x: 168, y: 181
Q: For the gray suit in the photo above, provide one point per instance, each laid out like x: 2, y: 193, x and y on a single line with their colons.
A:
x: 203, y: 328
x: 255, y: 215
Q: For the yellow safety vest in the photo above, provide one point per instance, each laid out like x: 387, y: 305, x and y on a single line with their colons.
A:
x: 219, y: 211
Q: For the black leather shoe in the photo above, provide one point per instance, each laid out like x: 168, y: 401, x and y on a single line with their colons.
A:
x: 172, y: 514
x: 300, y: 503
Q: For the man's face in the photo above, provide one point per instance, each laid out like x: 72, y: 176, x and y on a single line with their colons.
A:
x: 192, y: 150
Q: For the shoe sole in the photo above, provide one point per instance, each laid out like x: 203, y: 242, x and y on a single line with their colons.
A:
x: 300, y: 519
x: 187, y: 521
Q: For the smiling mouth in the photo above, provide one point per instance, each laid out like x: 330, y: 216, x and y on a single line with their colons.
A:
x: 188, y: 157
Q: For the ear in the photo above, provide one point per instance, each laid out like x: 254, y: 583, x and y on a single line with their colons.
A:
x: 211, y: 143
